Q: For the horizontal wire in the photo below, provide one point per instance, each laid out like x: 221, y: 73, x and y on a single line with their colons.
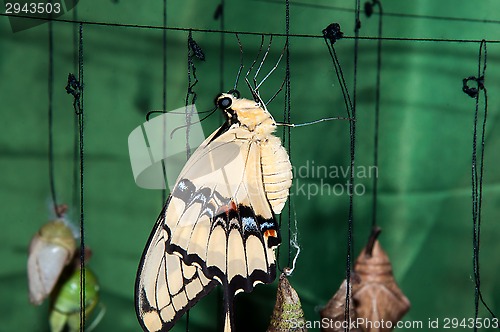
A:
x: 158, y: 27
x: 350, y: 10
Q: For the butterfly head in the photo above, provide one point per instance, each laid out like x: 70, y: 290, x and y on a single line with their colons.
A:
x: 248, y: 113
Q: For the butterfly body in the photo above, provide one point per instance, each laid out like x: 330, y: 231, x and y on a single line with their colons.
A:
x: 218, y: 224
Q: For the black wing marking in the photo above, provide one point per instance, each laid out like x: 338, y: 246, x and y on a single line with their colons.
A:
x: 221, y: 221
x: 165, y: 286
x: 236, y: 228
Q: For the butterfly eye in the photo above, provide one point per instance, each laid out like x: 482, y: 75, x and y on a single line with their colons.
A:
x: 224, y: 103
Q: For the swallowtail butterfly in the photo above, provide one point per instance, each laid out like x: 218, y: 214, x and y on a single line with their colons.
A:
x: 218, y: 224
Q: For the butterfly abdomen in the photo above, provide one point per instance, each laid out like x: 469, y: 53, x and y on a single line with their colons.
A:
x: 276, y: 172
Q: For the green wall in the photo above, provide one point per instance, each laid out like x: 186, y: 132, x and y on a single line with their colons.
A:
x: 425, y: 146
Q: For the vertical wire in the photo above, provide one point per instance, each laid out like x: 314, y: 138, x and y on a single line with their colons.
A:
x: 76, y: 143
x: 286, y: 133
x: 474, y: 201
x: 164, y: 100
x: 481, y: 173
x: 190, y: 64
x: 377, y: 115
x: 191, y: 74
x: 352, y: 129
x: 221, y: 17
x: 82, y: 215
x: 331, y: 34
x: 222, y: 26
x: 477, y: 181
x: 50, y: 85
x: 191, y: 70
x: 287, y: 114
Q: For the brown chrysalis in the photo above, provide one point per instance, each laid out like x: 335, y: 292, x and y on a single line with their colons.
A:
x: 377, y: 298
x: 333, y: 316
x: 287, y: 314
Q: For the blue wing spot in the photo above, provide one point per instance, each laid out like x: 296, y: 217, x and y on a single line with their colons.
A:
x: 249, y: 224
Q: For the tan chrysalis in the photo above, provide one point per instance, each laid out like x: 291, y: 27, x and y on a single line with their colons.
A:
x: 51, y: 249
x: 377, y: 296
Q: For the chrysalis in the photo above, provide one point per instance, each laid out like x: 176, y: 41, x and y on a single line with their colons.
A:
x: 65, y: 308
x: 51, y: 249
x: 334, y: 311
x: 377, y: 296
x: 288, y: 315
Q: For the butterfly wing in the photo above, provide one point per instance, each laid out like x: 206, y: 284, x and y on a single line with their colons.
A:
x: 217, y: 225
x: 219, y: 218
x: 166, y: 287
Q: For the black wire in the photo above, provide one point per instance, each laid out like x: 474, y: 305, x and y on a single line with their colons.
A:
x: 287, y: 115
x: 191, y: 74
x: 164, y: 101
x: 80, y: 115
x: 331, y: 34
x: 340, y: 76
x: 377, y: 114
x: 141, y: 26
x: 222, y: 45
x: 352, y: 130
x: 286, y: 138
x: 329, y: 40
x: 221, y: 17
x: 475, y: 194
x: 429, y: 17
x: 50, y: 84
x: 477, y: 180
x: 76, y: 200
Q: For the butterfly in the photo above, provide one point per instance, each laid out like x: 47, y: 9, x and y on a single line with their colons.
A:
x: 218, y: 225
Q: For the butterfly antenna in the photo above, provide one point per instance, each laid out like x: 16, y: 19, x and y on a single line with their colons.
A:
x: 255, y: 93
x: 262, y: 62
x: 258, y: 55
x: 273, y: 69
x: 241, y: 62
x: 192, y: 123
x: 148, y: 115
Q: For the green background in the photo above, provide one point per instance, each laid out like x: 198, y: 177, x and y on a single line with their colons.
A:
x: 426, y: 126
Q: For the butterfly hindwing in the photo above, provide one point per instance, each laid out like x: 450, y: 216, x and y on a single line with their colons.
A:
x: 166, y: 287
x: 225, y: 208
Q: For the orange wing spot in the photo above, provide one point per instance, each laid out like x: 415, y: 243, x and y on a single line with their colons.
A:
x: 270, y: 233
x: 224, y: 209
